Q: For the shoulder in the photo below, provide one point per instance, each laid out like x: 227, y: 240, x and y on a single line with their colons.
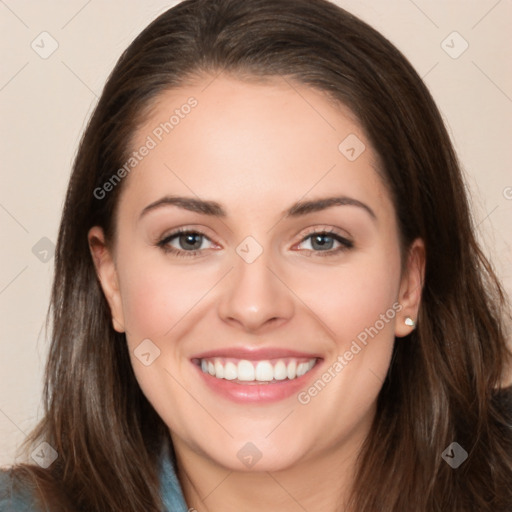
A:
x: 15, y: 496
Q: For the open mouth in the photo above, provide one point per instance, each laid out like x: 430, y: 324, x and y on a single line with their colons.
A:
x: 244, y: 371
x: 255, y: 379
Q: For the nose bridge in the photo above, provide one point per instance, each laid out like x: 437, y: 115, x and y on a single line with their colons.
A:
x: 253, y: 295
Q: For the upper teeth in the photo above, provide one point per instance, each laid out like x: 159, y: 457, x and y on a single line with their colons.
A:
x: 262, y: 371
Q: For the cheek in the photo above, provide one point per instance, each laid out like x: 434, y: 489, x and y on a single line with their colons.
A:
x: 358, y: 303
x: 157, y: 295
x: 351, y: 298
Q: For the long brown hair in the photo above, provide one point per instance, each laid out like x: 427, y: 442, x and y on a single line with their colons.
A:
x: 444, y: 378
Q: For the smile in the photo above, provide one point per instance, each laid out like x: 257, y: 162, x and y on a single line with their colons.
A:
x: 264, y: 371
x: 256, y: 376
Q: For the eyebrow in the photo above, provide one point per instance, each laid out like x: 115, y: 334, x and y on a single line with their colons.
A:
x: 214, y: 209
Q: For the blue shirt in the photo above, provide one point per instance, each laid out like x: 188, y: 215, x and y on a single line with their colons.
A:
x: 24, y: 501
x: 171, y: 492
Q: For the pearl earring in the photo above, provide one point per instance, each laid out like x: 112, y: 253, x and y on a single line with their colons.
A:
x: 409, y: 321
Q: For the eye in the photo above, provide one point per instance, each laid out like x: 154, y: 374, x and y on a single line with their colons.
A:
x: 184, y: 242
x: 327, y: 242
x: 188, y: 243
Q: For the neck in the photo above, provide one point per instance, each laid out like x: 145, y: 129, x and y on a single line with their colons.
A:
x: 320, y: 483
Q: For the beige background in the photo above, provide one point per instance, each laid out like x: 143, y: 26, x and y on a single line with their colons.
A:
x: 44, y: 104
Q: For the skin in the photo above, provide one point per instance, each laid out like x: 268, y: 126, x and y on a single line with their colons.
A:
x: 257, y: 148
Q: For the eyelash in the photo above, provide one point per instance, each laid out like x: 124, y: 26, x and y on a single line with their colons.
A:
x: 345, y: 244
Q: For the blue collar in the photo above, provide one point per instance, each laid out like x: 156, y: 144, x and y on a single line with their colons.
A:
x: 172, y: 495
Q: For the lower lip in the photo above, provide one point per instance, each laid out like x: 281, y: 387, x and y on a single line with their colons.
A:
x: 257, y: 392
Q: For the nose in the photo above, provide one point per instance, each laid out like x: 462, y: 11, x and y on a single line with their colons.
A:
x: 254, y: 297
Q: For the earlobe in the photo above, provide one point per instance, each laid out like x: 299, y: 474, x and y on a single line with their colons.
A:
x: 411, y: 288
x: 107, y: 275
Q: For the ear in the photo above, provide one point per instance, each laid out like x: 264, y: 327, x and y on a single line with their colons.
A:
x: 107, y: 275
x: 411, y: 286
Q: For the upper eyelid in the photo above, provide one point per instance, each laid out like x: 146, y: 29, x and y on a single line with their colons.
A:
x: 178, y: 231
x: 325, y: 230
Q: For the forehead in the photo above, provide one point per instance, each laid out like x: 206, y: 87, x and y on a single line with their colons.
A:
x: 269, y: 142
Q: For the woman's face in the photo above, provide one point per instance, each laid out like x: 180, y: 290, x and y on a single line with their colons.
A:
x: 289, y: 263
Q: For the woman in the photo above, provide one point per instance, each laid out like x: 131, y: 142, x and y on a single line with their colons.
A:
x: 268, y: 292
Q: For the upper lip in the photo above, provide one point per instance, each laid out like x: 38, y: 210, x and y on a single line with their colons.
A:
x: 254, y: 354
